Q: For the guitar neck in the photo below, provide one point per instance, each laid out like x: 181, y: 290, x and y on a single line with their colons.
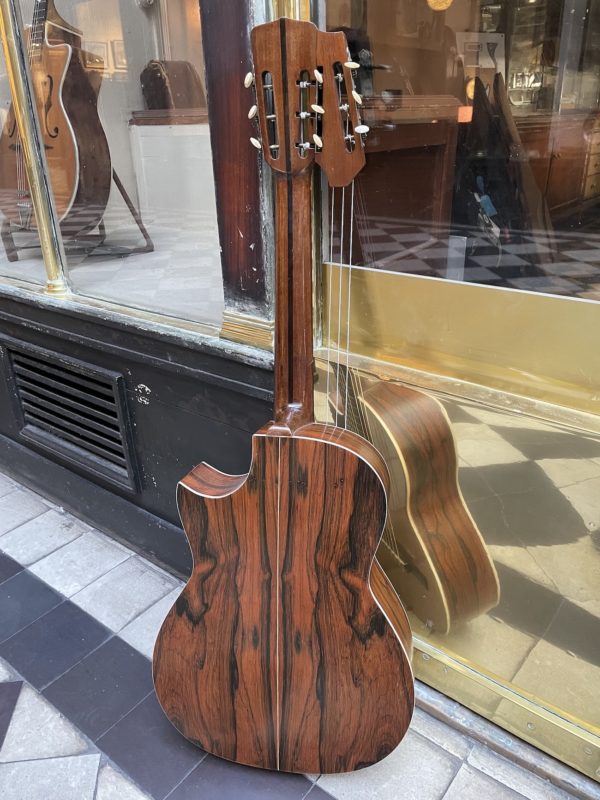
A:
x: 294, y: 403
x: 38, y: 28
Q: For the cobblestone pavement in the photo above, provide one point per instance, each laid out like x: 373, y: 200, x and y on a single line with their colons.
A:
x: 79, y: 719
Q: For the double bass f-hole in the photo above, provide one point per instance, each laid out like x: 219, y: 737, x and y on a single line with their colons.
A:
x: 48, y: 86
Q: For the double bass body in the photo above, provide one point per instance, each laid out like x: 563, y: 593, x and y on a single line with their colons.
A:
x: 75, y: 144
x: 279, y: 653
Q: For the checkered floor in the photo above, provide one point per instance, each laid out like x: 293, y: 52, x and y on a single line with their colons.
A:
x: 534, y: 491
x: 79, y: 719
x: 564, y: 263
x: 182, y: 278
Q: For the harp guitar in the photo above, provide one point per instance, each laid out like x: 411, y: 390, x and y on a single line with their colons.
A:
x: 288, y: 649
x: 66, y: 98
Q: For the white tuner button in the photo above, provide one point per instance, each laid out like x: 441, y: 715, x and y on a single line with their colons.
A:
x: 318, y: 76
x: 248, y: 80
x: 318, y: 141
x: 318, y: 109
x: 255, y: 143
x: 362, y: 129
x: 252, y: 113
x: 357, y: 98
x: 352, y: 65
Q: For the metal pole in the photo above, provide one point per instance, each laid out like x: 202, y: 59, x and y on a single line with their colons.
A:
x: 33, y: 148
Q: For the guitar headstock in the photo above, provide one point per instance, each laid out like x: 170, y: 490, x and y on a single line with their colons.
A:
x: 306, y: 101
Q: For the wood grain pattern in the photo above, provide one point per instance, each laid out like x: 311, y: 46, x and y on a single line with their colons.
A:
x: 432, y: 551
x: 278, y: 653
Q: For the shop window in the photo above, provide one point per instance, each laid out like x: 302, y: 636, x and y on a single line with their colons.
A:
x: 16, y: 209
x: 483, y: 158
x: 133, y: 176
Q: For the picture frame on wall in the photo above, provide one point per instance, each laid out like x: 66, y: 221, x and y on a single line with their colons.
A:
x: 119, y: 55
x: 95, y: 55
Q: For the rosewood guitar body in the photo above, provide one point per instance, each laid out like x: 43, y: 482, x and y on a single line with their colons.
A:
x: 79, y: 166
x: 288, y: 648
x: 447, y: 576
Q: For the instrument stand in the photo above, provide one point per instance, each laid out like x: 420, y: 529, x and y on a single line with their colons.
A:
x: 83, y: 243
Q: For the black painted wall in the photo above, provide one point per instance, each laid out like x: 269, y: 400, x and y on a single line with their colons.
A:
x: 187, y: 403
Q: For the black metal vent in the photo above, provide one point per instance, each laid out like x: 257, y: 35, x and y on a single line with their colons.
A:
x: 74, y: 410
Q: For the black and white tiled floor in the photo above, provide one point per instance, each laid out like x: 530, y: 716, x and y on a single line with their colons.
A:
x: 564, y: 263
x: 78, y: 716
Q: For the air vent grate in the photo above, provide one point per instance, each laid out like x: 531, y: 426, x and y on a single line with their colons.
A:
x: 74, y: 410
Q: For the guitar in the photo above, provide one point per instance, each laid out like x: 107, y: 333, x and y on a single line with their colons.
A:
x: 66, y: 100
x: 431, y: 549
x: 288, y: 648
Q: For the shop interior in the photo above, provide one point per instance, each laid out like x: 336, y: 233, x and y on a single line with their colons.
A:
x: 484, y: 151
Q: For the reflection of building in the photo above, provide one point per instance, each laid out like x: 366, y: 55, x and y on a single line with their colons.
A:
x: 162, y: 359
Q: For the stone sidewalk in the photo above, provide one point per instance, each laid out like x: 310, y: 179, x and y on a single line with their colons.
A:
x: 79, y: 719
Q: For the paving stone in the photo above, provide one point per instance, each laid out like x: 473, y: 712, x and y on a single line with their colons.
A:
x: 37, y: 730
x: 51, y: 779
x: 415, y: 770
x: 441, y: 734
x: 125, y: 592
x: 63, y: 636
x: 6, y: 485
x: 215, y: 777
x: 102, y: 688
x: 515, y: 777
x: 9, y: 695
x: 470, y: 784
x: 80, y: 562
x: 18, y: 507
x: 23, y: 599
x: 141, y: 633
x: 41, y: 536
x: 6, y: 672
x: 8, y: 567
x: 112, y: 785
x: 147, y: 747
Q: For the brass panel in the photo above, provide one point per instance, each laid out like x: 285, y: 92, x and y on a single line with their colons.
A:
x: 295, y: 9
x: 515, y: 711
x: 532, y: 345
x: 244, y: 329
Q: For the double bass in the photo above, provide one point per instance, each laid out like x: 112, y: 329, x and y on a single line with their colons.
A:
x: 66, y: 99
x: 288, y: 648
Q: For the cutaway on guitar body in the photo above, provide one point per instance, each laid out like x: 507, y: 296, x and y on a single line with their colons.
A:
x: 288, y: 648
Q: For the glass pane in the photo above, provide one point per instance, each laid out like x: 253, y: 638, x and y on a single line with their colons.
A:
x: 527, y: 504
x: 17, y: 218
x: 138, y: 211
x: 483, y: 157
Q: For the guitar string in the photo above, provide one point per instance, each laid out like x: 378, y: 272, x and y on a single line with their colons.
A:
x: 329, y: 299
x: 340, y: 282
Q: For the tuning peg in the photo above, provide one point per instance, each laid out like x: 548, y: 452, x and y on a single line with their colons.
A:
x: 357, y: 98
x: 248, y: 80
x: 255, y: 143
x: 253, y: 111
x: 318, y: 109
x: 318, y: 141
x: 352, y: 65
x: 318, y: 76
x: 362, y: 129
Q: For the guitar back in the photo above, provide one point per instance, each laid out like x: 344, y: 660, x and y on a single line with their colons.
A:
x: 279, y: 653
